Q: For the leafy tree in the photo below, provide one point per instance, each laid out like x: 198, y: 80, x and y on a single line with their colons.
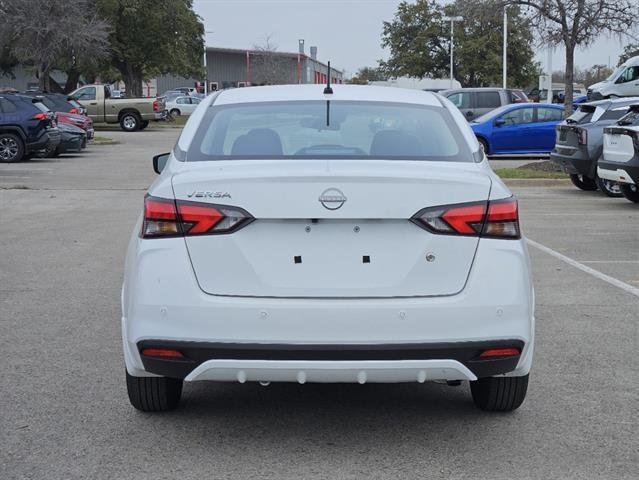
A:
x: 368, y: 74
x: 152, y: 37
x: 574, y: 23
x: 419, y: 41
x: 629, y: 51
x: 42, y: 33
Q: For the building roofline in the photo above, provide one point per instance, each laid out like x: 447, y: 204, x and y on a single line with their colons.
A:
x: 255, y: 52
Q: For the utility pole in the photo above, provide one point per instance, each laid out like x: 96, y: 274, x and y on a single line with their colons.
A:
x: 452, y: 21
x: 206, y: 70
x: 504, y: 79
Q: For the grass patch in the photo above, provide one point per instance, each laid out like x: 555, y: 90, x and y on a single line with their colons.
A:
x: 99, y: 140
x: 528, y: 173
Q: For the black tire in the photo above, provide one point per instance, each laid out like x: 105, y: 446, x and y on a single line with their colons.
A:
x: 631, y: 192
x: 175, y: 112
x: 130, y: 122
x: 484, y: 144
x: 583, y: 183
x: 153, y: 394
x: 144, y: 124
x: 11, y: 148
x: 499, y: 394
x: 609, y: 188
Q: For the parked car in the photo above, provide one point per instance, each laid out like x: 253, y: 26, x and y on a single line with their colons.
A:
x: 474, y: 102
x: 131, y: 113
x: 624, y: 82
x: 267, y: 250
x: 66, y: 111
x: 182, y: 105
x: 518, y: 128
x: 26, y: 127
x: 73, y: 139
x: 620, y: 160
x: 579, y: 143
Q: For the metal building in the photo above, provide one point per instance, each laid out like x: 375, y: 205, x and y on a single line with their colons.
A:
x: 228, y: 68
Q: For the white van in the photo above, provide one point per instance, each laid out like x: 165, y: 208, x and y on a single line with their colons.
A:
x: 624, y: 82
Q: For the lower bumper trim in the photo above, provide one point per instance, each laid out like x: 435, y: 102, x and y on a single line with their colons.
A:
x: 284, y: 362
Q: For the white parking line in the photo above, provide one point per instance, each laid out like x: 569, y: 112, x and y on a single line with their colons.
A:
x: 591, y: 271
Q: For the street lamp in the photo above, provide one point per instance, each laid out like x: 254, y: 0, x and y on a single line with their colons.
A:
x: 206, y: 71
x: 504, y: 67
x: 452, y: 21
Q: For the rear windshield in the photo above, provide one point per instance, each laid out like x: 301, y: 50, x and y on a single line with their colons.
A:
x: 334, y: 130
x: 583, y: 114
x: 614, y: 113
x: 631, y: 118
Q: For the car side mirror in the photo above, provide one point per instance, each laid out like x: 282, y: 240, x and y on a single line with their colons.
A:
x: 500, y: 122
x: 159, y: 162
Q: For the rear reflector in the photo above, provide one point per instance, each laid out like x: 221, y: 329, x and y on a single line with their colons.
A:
x: 497, y: 219
x: 40, y: 116
x: 162, y: 352
x: 168, y: 218
x: 500, y: 352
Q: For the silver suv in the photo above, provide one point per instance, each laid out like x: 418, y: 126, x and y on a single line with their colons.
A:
x: 474, y: 102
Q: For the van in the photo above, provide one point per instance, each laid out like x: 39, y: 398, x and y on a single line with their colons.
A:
x: 474, y: 102
x: 624, y: 82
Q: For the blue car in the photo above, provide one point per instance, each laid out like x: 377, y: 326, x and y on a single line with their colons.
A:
x: 518, y: 128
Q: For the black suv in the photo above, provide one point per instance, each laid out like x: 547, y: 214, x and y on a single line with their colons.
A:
x: 26, y: 127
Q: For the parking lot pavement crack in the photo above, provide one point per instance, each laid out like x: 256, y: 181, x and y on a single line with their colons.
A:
x: 590, y: 271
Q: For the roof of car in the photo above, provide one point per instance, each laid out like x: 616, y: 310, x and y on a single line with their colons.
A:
x: 476, y: 89
x: 341, y: 92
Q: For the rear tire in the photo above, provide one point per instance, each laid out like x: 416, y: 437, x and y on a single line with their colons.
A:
x: 11, y: 148
x: 175, y: 112
x: 583, y: 183
x: 153, y: 394
x: 609, y: 188
x: 631, y: 192
x: 499, y: 394
x: 484, y: 144
x: 130, y: 122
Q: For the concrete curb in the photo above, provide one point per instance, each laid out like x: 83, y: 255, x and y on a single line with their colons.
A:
x: 537, y: 182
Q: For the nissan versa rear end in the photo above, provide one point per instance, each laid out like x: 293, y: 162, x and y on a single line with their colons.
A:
x: 356, y: 236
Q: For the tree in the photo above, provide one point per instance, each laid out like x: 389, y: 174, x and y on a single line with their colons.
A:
x: 267, y: 64
x: 42, y: 33
x: 629, y: 51
x: 419, y: 41
x: 152, y: 37
x: 368, y: 74
x: 574, y: 23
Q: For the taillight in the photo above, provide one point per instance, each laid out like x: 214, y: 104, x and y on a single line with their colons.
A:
x: 155, y: 105
x: 40, y: 116
x: 500, y: 352
x: 73, y: 110
x: 496, y: 219
x: 169, y: 218
x: 582, y: 136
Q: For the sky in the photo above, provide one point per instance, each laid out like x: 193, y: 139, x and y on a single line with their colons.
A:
x: 347, y: 32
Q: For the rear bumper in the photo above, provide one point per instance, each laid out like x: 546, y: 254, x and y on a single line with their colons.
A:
x: 574, y: 161
x: 620, y: 172
x: 49, y: 138
x: 318, y: 363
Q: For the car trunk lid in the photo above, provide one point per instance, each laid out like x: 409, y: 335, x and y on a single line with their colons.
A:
x: 331, y: 229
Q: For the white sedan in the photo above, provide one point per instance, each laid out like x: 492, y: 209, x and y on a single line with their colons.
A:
x: 185, y: 105
x: 354, y: 236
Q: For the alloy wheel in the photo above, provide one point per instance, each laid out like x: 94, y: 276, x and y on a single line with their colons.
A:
x: 8, y: 149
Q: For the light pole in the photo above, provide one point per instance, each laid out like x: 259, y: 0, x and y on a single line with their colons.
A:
x: 452, y: 21
x: 206, y: 71
x: 504, y: 80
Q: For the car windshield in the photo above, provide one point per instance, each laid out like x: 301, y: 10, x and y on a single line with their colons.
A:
x: 631, y: 118
x: 582, y: 115
x: 328, y: 129
x: 615, y: 74
x: 493, y: 113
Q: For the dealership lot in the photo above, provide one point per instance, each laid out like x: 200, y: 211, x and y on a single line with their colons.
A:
x: 65, y: 223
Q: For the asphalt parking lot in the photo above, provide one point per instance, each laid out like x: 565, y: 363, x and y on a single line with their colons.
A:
x: 64, y: 226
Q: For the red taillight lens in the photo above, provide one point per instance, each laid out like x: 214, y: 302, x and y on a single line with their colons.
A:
x: 162, y: 353
x: 582, y: 136
x: 73, y: 110
x: 155, y: 105
x: 498, y: 219
x: 168, y: 218
x: 40, y: 116
x: 500, y: 352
